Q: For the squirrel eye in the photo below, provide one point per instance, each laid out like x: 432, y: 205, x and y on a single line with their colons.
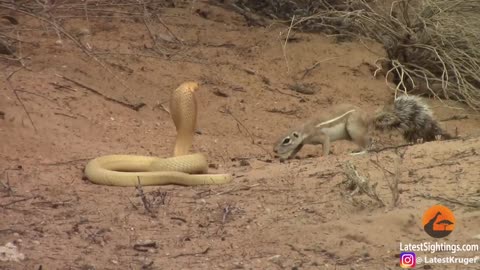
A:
x: 286, y: 141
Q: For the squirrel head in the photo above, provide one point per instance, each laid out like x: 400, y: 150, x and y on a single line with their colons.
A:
x: 288, y: 145
x: 385, y: 118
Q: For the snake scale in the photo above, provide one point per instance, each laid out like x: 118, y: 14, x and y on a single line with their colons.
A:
x: 181, y: 169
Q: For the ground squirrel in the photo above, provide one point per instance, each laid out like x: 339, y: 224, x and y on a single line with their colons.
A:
x: 412, y: 117
x: 347, y: 122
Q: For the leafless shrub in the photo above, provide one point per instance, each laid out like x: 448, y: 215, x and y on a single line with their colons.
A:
x: 360, y: 184
x: 433, y: 46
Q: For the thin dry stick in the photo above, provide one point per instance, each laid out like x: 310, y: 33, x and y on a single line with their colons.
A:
x: 80, y: 45
x: 146, y: 203
x: 393, y: 180
x: 17, y: 201
x: 237, y: 189
x: 393, y: 185
x: 134, y: 107
x: 9, y: 86
x: 192, y: 254
x: 390, y: 148
x: 285, y: 44
x: 450, y: 200
x: 35, y: 94
x: 168, y: 29
x: 227, y: 111
x: 316, y: 64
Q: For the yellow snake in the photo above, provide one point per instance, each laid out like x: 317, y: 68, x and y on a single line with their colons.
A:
x: 181, y: 169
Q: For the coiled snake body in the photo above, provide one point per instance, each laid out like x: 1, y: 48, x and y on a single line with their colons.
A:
x: 182, y: 169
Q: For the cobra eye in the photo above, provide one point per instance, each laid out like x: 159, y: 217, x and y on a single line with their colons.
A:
x: 286, y: 141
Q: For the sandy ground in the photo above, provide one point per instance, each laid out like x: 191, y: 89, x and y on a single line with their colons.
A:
x: 292, y: 215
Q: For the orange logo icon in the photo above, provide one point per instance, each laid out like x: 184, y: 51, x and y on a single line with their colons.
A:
x: 438, y: 221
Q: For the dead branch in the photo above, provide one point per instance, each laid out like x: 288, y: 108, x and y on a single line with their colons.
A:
x: 287, y: 112
x: 192, y: 254
x: 394, y: 181
x: 22, y: 104
x: 308, y: 70
x: 236, y: 189
x: 390, y: 148
x: 168, y: 29
x: 17, y: 201
x: 67, y: 162
x: 475, y: 204
x: 377, y: 164
x: 179, y: 218
x: 281, y: 92
x: 141, y: 194
x: 134, y: 107
x: 360, y: 184
x: 446, y: 163
x: 227, y: 111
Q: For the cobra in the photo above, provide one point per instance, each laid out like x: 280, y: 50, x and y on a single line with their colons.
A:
x: 181, y: 169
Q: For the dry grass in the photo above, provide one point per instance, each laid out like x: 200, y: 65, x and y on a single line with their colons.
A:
x: 433, y: 46
x: 360, y: 184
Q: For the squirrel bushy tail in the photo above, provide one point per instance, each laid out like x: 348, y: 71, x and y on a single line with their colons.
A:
x: 412, y: 117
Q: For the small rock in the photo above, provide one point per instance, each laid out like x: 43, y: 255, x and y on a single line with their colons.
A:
x: 147, y: 263
x: 244, y: 162
x: 274, y: 258
x: 145, y: 246
x: 9, y: 253
x: 84, y: 31
x: 306, y: 89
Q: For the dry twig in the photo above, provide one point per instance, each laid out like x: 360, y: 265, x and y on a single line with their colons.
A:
x: 227, y: 111
x: 134, y: 107
x: 360, y: 184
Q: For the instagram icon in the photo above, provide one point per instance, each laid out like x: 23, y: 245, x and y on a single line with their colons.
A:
x: 407, y: 260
